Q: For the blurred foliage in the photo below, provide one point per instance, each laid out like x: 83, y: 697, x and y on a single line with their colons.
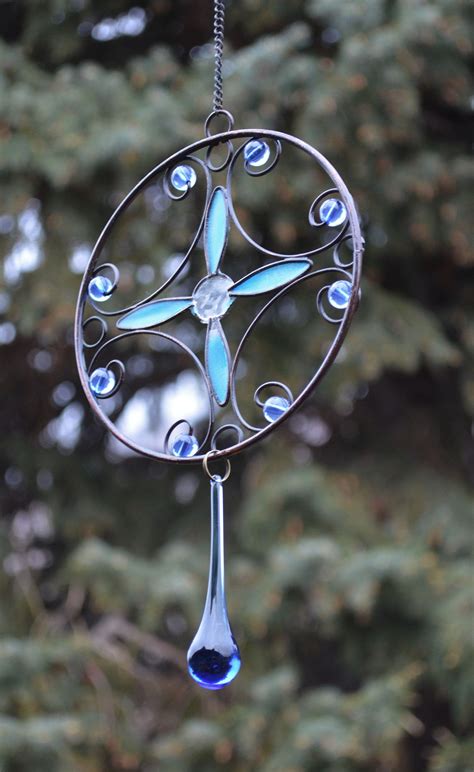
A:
x: 350, y: 533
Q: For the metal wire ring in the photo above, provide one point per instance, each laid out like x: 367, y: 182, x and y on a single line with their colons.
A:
x: 216, y: 477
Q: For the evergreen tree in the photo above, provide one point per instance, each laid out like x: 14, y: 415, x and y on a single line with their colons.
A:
x: 350, y: 536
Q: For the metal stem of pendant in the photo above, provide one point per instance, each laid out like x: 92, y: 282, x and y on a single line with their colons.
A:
x: 219, y: 11
x: 214, y: 657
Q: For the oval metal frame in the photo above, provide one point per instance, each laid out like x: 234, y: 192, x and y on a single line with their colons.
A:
x: 357, y: 243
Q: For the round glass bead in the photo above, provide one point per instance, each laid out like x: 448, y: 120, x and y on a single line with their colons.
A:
x: 339, y: 293
x: 100, y: 288
x: 183, y: 177
x: 274, y: 407
x: 102, y: 381
x: 333, y: 212
x: 256, y: 152
x: 184, y: 446
x: 211, y: 297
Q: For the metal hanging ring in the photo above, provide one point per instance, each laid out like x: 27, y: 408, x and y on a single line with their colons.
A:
x: 229, y: 118
x: 216, y: 477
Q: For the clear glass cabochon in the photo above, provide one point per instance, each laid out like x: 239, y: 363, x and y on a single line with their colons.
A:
x: 218, y: 295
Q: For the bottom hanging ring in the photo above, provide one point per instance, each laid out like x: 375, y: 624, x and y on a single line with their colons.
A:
x: 205, y: 466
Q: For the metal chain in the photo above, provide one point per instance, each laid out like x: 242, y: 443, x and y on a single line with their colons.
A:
x: 219, y: 10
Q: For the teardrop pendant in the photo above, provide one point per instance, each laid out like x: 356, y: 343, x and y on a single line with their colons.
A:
x: 214, y: 657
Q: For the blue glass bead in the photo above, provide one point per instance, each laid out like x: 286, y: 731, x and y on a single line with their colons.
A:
x: 183, y: 177
x: 339, y: 293
x: 184, y: 446
x: 332, y: 212
x: 212, y: 669
x: 256, y: 152
x: 274, y: 408
x: 102, y: 381
x: 100, y: 288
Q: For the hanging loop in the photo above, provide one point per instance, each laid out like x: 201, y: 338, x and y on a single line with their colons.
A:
x: 224, y: 116
x: 216, y: 477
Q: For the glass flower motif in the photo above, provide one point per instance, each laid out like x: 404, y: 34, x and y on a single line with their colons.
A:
x: 214, y: 294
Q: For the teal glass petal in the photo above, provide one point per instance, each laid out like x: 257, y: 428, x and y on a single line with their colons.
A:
x: 270, y: 277
x: 215, y: 232
x: 154, y: 313
x: 218, y: 362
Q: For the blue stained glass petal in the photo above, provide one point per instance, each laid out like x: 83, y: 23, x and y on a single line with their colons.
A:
x: 270, y: 277
x: 218, y: 362
x: 154, y: 313
x: 215, y: 234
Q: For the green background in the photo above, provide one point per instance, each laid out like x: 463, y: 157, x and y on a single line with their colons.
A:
x: 350, y: 534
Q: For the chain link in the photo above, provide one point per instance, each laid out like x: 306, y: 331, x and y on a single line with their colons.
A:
x: 219, y: 11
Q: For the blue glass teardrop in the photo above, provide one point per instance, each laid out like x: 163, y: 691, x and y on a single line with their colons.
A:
x: 214, y: 657
x: 213, y: 669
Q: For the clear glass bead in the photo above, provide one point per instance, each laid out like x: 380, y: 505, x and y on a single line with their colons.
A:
x: 211, y: 297
x: 333, y: 212
x: 100, y: 288
x: 339, y: 293
x: 183, y: 177
x: 185, y: 446
x: 274, y: 408
x: 256, y: 152
x: 102, y: 381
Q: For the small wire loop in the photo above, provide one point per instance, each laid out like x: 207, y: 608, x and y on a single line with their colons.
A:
x: 212, y: 117
x: 219, y: 167
x: 102, y: 331
x: 215, y: 477
x: 226, y: 428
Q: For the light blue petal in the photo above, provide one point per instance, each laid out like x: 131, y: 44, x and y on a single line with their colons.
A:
x: 154, y: 313
x: 218, y: 362
x: 215, y: 232
x: 270, y: 277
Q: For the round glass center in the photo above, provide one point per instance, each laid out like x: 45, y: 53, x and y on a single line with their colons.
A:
x: 211, y: 297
